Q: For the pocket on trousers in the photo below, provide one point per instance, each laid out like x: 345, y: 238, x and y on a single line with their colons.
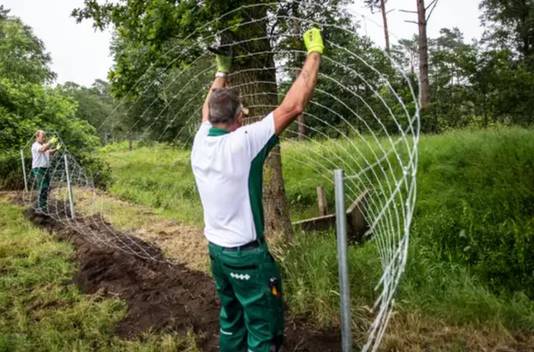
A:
x: 240, y: 267
x: 244, y: 278
x: 243, y: 269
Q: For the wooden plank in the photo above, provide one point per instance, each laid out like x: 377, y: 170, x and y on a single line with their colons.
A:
x: 356, y: 223
x: 319, y: 223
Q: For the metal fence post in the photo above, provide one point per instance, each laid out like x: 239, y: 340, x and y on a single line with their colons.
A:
x: 69, y: 188
x: 24, y: 170
x: 344, y: 290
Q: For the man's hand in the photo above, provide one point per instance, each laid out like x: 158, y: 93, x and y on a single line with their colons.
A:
x: 224, y: 63
x: 313, y: 41
x: 52, y: 143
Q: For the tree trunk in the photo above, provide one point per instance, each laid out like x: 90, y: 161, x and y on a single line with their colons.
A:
x: 277, y: 220
x: 385, y: 21
x: 261, y: 98
x: 424, y: 83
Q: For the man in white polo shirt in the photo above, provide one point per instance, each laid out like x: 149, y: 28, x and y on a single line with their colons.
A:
x: 227, y: 161
x: 41, y: 151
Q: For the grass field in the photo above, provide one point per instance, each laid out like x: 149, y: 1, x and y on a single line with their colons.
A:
x: 467, y: 287
x: 42, y: 310
x: 473, y: 230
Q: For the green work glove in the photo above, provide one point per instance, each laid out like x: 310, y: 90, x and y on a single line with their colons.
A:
x: 313, y: 40
x: 224, y: 63
x: 59, y: 147
x: 52, y: 140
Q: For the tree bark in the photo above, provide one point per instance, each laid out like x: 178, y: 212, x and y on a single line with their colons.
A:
x: 261, y: 98
x: 424, y: 82
x: 321, y: 201
x: 385, y: 21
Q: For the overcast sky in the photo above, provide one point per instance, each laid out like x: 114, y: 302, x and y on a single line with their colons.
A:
x: 463, y: 14
x: 81, y: 55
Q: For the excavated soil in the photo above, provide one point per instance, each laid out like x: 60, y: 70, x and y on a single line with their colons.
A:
x: 161, y: 296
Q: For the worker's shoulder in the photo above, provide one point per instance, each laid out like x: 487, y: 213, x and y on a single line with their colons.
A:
x: 265, y: 125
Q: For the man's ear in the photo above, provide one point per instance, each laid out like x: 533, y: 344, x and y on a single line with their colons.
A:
x: 240, y: 118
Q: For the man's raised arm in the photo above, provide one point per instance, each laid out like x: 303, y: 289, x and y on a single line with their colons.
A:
x: 301, y: 91
x: 224, y: 64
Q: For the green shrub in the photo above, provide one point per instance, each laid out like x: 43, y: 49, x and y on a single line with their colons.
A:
x: 28, y: 107
x: 11, y: 176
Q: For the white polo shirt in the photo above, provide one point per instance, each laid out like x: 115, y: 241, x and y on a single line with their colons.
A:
x: 228, y: 170
x: 39, y: 158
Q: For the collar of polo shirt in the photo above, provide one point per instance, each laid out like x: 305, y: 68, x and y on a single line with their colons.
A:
x: 216, y: 131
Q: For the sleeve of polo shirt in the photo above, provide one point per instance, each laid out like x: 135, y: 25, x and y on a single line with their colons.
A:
x: 204, y: 126
x: 203, y: 130
x: 260, y: 136
x: 36, y: 148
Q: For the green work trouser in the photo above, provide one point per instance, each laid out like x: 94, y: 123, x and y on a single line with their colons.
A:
x: 42, y: 184
x: 249, y: 287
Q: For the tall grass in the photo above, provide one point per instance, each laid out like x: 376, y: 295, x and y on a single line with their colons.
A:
x: 476, y: 204
x: 472, y: 232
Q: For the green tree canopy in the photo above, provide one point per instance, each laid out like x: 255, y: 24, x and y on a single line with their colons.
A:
x: 94, y: 105
x: 28, y: 103
x: 22, y: 54
x: 510, y: 22
x: 157, y: 41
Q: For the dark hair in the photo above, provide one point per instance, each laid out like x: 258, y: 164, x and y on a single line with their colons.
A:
x: 224, y: 104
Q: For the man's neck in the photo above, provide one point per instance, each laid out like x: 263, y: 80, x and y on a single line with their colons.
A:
x: 221, y: 126
x: 230, y: 127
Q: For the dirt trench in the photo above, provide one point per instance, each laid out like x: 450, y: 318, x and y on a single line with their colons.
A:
x: 161, y: 296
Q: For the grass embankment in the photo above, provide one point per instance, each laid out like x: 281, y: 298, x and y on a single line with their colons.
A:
x: 470, y: 262
x: 472, y: 232
x: 159, y: 177
x: 42, y: 310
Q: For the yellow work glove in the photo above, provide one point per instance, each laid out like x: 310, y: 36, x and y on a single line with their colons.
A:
x: 59, y: 147
x: 314, y: 41
x: 224, y: 63
x: 52, y: 140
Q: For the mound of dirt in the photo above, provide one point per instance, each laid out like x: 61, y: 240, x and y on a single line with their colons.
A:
x: 160, y: 295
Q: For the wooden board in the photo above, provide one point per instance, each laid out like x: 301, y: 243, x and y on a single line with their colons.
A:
x: 356, y: 223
